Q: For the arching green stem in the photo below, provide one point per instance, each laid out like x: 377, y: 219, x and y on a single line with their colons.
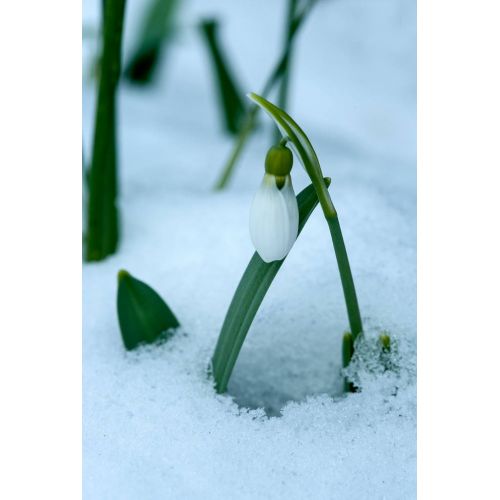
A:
x: 303, y: 148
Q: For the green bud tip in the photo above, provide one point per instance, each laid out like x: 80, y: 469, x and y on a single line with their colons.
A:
x: 279, y: 161
x: 347, y: 337
x: 385, y: 341
x: 347, y: 349
x: 122, y: 274
x: 328, y: 181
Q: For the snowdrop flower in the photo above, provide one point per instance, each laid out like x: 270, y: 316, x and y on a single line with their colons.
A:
x: 274, y: 215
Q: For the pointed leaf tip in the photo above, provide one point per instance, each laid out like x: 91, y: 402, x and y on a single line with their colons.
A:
x: 143, y: 315
x: 122, y: 274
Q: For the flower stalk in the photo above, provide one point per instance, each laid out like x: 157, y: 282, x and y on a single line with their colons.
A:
x: 302, y: 146
x: 260, y: 273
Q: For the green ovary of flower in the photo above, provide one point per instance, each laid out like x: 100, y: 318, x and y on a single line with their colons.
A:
x: 279, y: 161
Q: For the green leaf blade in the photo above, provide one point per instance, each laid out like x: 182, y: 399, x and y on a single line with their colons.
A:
x: 143, y: 315
x: 247, y: 299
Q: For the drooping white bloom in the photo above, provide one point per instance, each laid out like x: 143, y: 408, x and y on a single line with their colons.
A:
x: 274, y: 219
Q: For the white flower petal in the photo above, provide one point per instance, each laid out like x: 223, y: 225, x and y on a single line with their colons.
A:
x: 274, y: 219
x: 293, y: 211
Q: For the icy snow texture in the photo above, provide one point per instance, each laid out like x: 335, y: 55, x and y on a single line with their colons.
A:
x: 153, y: 426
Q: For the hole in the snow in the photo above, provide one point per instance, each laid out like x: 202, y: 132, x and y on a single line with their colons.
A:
x: 273, y: 370
x: 293, y: 348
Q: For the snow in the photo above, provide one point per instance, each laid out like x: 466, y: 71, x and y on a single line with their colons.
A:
x: 153, y: 425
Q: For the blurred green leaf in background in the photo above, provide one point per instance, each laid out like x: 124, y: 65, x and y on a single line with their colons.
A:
x: 230, y: 96
x: 294, y: 19
x: 102, y: 231
x: 157, y: 31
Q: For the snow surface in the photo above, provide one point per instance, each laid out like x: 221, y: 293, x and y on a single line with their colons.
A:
x: 153, y: 426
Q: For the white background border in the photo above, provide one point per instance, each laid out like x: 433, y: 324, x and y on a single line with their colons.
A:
x: 458, y: 249
x: 40, y: 249
x: 458, y: 258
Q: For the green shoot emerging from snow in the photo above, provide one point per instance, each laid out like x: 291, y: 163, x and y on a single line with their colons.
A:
x: 276, y: 218
x: 300, y: 143
x: 143, y: 315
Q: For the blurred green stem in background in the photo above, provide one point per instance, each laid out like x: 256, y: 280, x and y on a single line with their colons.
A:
x: 157, y: 30
x: 230, y: 96
x: 101, y: 236
x: 285, y: 79
x: 280, y: 70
